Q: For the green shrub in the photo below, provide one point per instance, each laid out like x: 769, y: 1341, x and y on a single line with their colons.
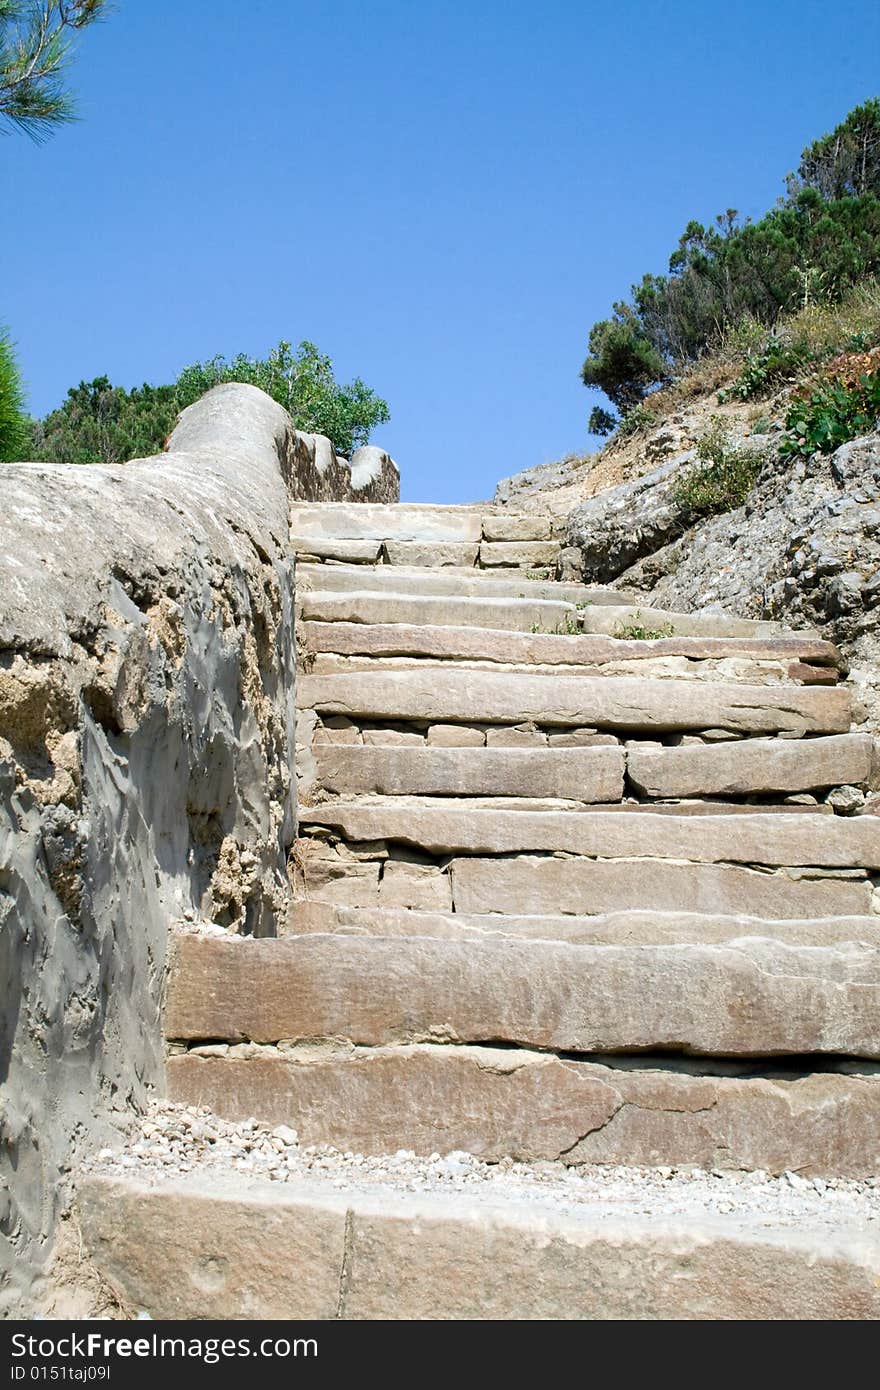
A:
x: 830, y: 412
x: 640, y: 417
x: 103, y: 423
x: 777, y: 359
x: 724, y: 476
x: 818, y: 242
x: 14, y: 431
x: 601, y: 421
x: 303, y: 382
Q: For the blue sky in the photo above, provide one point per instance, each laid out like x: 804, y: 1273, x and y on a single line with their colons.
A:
x: 443, y: 196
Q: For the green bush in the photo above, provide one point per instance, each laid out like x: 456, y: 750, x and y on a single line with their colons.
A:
x: 818, y: 242
x: 601, y: 421
x: 640, y: 417
x: 768, y: 366
x: 724, y: 476
x: 830, y: 413
x: 102, y: 423
x: 303, y: 382
x: 14, y: 432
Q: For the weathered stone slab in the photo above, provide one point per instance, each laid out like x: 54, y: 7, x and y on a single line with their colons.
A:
x: 415, y: 886
x: 353, y: 552
x: 463, y: 583
x: 336, y: 729
x: 530, y: 1106
x: 518, y: 614
x: 526, y: 554
x: 821, y: 1124
x: 609, y: 702
x: 752, y: 998
x: 515, y: 736
x: 278, y: 1249
x: 321, y: 871
x: 431, y: 553
x: 516, y: 526
x: 635, y: 928
x: 400, y: 521
x: 210, y: 1250
x: 780, y: 840
x: 543, y: 648
x: 487, y: 1101
x: 456, y: 736
x: 574, y: 774
x: 615, y: 622
x: 584, y: 886
x: 398, y: 738
x: 753, y: 765
x: 582, y: 738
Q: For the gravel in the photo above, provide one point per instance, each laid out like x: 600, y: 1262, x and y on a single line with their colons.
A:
x: 174, y: 1140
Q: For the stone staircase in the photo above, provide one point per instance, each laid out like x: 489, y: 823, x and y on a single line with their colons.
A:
x: 571, y: 884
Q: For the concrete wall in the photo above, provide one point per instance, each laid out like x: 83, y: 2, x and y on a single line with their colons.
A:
x: 146, y: 753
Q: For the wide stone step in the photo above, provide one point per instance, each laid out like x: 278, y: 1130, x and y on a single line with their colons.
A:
x: 633, y: 928
x: 523, y: 612
x: 474, y: 696
x: 752, y: 998
x: 575, y: 774
x: 752, y: 766
x: 213, y: 1248
x: 535, y: 885
x: 496, y: 1103
x: 540, y: 648
x: 464, y: 583
x: 372, y: 521
x: 441, y: 827
x: 517, y: 614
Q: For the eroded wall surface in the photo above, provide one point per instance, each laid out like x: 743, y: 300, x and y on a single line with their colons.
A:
x: 146, y: 748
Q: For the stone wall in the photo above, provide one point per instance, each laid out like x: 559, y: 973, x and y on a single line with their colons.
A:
x: 146, y: 746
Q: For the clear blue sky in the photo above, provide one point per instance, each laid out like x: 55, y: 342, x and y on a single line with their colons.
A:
x: 443, y: 196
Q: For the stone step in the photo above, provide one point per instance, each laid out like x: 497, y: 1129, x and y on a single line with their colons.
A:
x: 441, y: 827
x: 522, y: 526
x: 518, y: 614
x: 497, y: 645
x: 534, y: 885
x: 752, y: 998
x: 378, y: 521
x: 627, y: 620
x: 497, y: 1103
x: 575, y: 774
x: 752, y: 766
x: 646, y: 928
x: 328, y: 548
x: 432, y: 554
x: 521, y: 554
x: 226, y: 1248
x: 604, y: 702
x: 451, y: 582
x: 729, y: 671
x: 521, y: 612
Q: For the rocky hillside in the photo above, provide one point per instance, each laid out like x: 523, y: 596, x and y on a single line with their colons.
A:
x: 791, y: 536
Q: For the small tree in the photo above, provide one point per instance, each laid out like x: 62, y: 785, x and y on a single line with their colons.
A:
x: 303, y: 382
x: 622, y: 362
x: 14, y: 434
x: 601, y: 421
x: 35, y: 44
x: 103, y: 423
x: 846, y: 163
